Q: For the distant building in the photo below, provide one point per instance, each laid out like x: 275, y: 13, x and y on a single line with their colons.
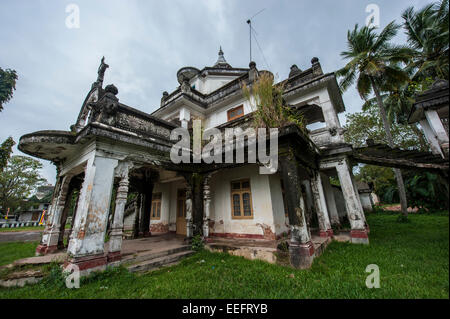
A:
x: 39, y: 202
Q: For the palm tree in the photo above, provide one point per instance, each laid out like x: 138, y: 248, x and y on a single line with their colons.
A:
x: 398, y: 102
x: 373, y: 65
x: 428, y: 36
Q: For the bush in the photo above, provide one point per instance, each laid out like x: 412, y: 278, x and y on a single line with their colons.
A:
x: 197, y: 243
x: 283, y: 246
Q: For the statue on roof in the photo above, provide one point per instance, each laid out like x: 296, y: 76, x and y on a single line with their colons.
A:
x: 101, y: 71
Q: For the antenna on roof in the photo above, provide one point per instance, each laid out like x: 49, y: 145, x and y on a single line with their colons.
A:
x: 249, y: 22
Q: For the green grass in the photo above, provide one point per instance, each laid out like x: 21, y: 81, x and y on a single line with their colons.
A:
x: 13, y: 251
x: 27, y: 228
x: 413, y: 259
x: 19, y: 229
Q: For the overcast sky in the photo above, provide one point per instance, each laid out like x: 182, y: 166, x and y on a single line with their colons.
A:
x: 146, y: 42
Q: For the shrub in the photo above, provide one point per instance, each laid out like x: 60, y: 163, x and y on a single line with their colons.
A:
x: 197, y: 243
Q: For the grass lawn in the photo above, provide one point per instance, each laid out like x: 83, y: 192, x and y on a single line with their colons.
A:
x: 27, y: 228
x: 18, y: 229
x: 413, y: 259
x: 13, y: 251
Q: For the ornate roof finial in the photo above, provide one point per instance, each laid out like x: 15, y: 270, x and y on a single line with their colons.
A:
x: 221, y: 62
x: 101, y: 71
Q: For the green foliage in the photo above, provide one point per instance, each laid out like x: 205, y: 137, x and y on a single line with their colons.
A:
x: 8, y: 80
x: 271, y: 109
x: 283, y: 246
x: 5, y: 152
x: 427, y: 191
x: 427, y: 31
x: 367, y: 124
x: 18, y: 180
x: 372, y: 59
x: 197, y: 243
x: 424, y: 190
x: 382, y: 179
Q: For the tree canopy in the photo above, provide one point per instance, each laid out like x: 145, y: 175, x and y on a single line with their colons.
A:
x: 8, y: 80
x: 5, y: 152
x: 366, y: 124
x: 18, y: 181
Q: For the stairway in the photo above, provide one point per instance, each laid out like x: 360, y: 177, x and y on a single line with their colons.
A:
x: 150, y: 261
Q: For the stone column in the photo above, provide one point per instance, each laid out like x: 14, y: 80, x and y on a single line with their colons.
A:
x: 137, y: 216
x: 437, y: 126
x: 115, y: 242
x: 42, y: 248
x: 438, y: 130
x: 144, y: 230
x: 146, y: 189
x: 332, y: 122
x: 355, y: 211
x: 50, y: 237
x: 309, y: 202
x: 431, y: 138
x: 301, y: 248
x: 331, y: 202
x: 65, y: 213
x: 74, y: 215
x: 206, y: 205
x: 321, y: 206
x: 86, y: 245
x: 189, y: 217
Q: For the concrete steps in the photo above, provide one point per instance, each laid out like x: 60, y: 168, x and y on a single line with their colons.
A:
x: 152, y: 254
x: 163, y: 259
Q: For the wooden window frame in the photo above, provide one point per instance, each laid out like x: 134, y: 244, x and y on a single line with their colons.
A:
x: 240, y: 192
x: 234, y: 109
x: 157, y: 202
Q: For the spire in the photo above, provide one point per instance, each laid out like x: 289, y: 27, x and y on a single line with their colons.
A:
x: 221, y: 62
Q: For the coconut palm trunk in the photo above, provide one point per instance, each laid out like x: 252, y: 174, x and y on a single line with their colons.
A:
x: 397, y: 172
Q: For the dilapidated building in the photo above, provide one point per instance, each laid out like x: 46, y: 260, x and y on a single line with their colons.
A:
x: 114, y: 150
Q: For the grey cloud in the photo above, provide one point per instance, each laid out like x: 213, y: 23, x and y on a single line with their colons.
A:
x: 146, y: 42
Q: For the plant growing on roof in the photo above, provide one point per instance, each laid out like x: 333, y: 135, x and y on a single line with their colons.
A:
x: 271, y: 110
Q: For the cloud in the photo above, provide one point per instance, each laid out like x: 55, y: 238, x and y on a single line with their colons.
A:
x: 146, y: 42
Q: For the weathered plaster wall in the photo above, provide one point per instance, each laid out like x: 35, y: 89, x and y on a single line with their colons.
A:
x: 220, y: 115
x: 210, y: 83
x: 322, y: 98
x: 171, y: 194
x: 162, y: 225
x: 262, y: 224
